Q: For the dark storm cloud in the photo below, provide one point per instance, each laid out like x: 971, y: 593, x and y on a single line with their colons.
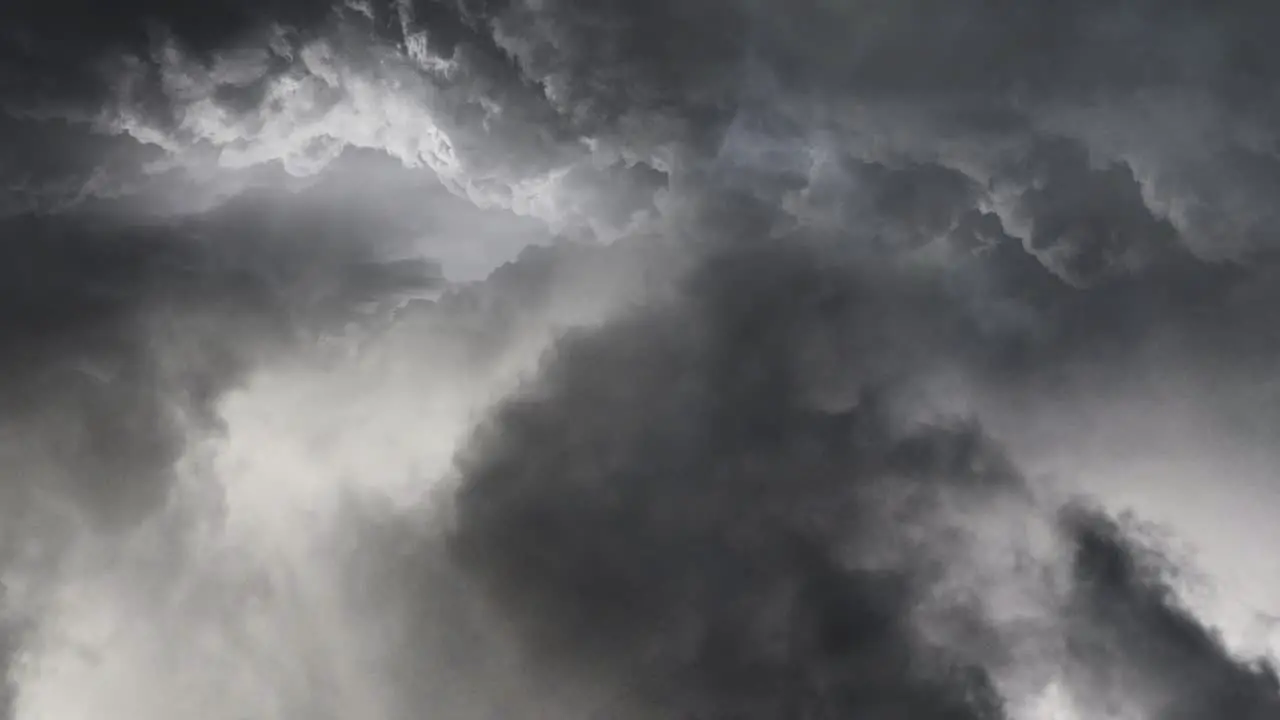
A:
x: 1134, y: 645
x: 1177, y: 97
x: 683, y: 532
x: 713, y: 505
x: 1114, y: 128
x: 120, y: 341
x: 667, y: 510
x: 8, y: 650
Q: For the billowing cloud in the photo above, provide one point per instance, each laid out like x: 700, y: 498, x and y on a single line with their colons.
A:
x: 555, y: 358
x: 665, y: 510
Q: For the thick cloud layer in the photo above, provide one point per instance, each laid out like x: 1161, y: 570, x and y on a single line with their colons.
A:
x: 117, y: 339
x: 535, y: 105
x: 812, y: 283
x: 666, y: 511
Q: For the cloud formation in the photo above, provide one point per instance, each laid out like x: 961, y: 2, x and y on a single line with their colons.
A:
x: 665, y: 511
x: 740, y: 434
x: 507, y: 100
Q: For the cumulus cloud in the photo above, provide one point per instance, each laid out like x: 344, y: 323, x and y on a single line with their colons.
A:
x: 666, y: 510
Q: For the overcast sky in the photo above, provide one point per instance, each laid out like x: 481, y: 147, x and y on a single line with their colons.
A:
x: 732, y: 359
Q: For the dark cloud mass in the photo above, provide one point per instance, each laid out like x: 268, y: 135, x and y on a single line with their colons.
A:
x: 611, y: 358
x: 664, y: 508
x: 694, y: 548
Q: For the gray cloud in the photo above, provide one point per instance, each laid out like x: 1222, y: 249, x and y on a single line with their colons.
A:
x: 122, y: 339
x: 1126, y: 632
x: 526, y: 105
x: 665, y: 510
x: 682, y: 494
x: 733, y: 496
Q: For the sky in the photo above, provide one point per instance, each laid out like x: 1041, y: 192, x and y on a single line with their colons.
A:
x: 579, y: 359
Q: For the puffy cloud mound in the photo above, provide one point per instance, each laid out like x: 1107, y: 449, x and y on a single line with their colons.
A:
x: 666, y: 511
x: 581, y: 114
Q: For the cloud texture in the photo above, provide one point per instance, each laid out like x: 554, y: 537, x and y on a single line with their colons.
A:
x: 554, y: 358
